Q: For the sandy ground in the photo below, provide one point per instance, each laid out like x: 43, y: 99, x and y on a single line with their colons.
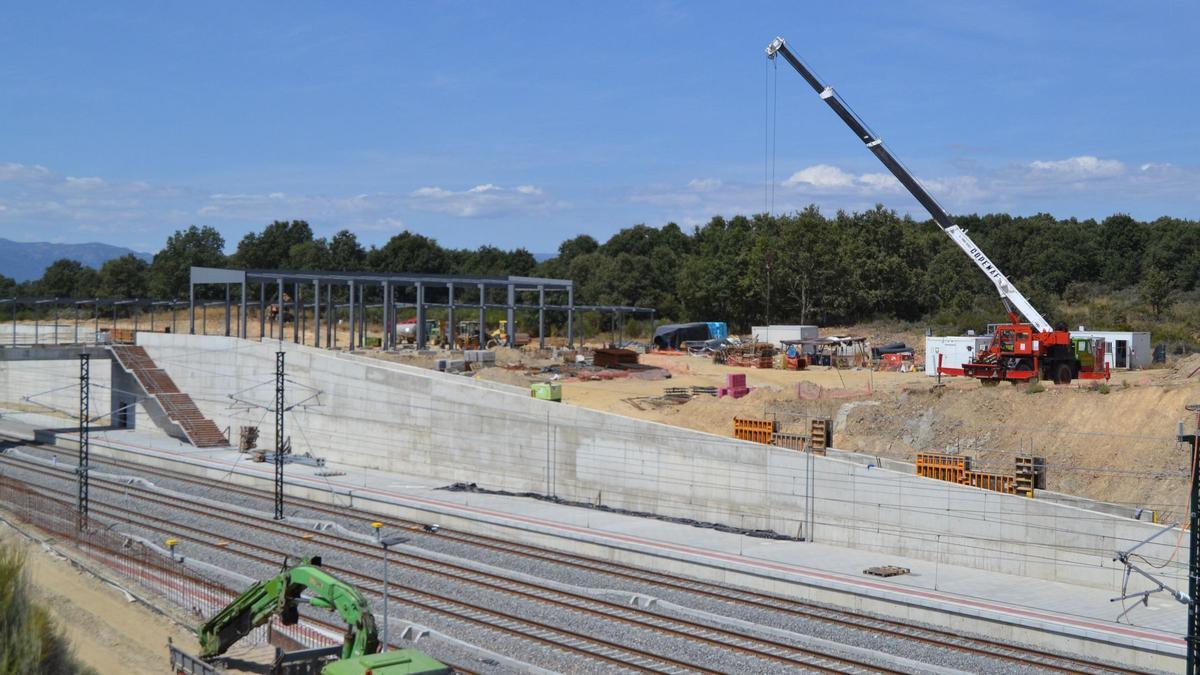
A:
x: 106, y: 630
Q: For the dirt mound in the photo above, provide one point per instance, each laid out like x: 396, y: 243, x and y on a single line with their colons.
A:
x: 1186, y: 368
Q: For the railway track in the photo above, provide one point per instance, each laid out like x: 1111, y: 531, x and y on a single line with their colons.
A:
x: 982, y: 647
x: 732, y: 641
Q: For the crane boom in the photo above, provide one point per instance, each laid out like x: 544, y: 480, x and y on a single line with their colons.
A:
x: 1013, y: 300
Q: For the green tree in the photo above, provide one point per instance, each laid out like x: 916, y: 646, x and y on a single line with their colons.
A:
x: 124, y: 277
x: 170, y: 271
x: 345, y: 253
x: 271, y: 248
x: 1156, y: 290
x: 68, y: 279
x: 408, y: 252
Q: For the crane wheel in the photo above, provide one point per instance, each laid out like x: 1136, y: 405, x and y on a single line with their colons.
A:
x: 1062, y: 374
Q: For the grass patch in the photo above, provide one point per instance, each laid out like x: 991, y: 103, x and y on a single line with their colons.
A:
x: 29, y: 640
x: 1103, y: 387
x: 1035, y: 388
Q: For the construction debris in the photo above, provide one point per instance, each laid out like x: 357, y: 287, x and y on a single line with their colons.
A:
x: 886, y: 571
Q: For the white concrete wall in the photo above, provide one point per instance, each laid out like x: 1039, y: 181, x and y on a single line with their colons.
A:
x: 408, y: 420
x: 55, y: 384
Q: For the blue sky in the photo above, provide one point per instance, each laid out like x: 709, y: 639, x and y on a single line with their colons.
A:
x: 521, y: 124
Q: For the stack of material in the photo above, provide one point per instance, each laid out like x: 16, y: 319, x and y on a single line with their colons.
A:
x: 735, y: 386
x: 752, y: 355
x: 614, y: 358
x: 481, y: 356
x: 247, y: 438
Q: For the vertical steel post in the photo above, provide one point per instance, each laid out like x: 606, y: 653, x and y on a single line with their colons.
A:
x: 296, y: 309
x: 1193, y: 639
x: 317, y: 312
x: 385, y: 599
x: 84, y: 441
x: 280, y: 306
x: 172, y: 316
x: 541, y: 317
x: 77, y: 322
x: 244, y: 329
x: 386, y: 343
x: 228, y: 310
x: 96, y: 317
x: 571, y: 316
x: 191, y: 308
x: 482, y: 317
x: 56, y: 317
x: 350, y: 316
x: 279, y: 444
x: 451, y: 328
x: 330, y: 318
x: 422, y: 335
x: 262, y: 310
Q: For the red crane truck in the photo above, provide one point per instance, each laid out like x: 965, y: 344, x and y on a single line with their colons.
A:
x: 1020, y: 351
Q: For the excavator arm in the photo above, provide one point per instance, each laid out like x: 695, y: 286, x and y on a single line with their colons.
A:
x: 1014, y: 301
x: 281, y: 595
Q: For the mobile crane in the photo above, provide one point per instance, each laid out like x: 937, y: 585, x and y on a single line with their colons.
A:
x: 281, y: 595
x: 1019, y: 351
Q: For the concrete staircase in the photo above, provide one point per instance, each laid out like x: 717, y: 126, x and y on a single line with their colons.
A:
x: 178, y: 406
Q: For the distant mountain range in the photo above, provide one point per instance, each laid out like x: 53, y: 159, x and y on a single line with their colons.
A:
x: 24, y: 261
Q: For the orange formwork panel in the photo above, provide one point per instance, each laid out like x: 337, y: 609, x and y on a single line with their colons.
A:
x: 759, y: 431
x: 995, y: 482
x: 951, y: 468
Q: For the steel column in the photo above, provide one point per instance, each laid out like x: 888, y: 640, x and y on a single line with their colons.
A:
x: 316, y: 313
x: 386, y: 343
x: 242, y: 313
x: 482, y: 316
x: 571, y: 316
x: 422, y: 337
x: 279, y: 307
x: 279, y: 444
x: 451, y: 328
x: 296, y: 312
x: 262, y: 310
x: 84, y: 441
x: 191, y: 308
x: 512, y: 316
x: 228, y: 310
x: 351, y: 317
x: 541, y: 317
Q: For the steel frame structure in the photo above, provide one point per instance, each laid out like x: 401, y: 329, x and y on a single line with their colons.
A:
x: 388, y: 291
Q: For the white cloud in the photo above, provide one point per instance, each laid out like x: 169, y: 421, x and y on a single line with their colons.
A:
x: 820, y: 176
x: 880, y: 182
x: 704, y: 184
x: 482, y: 201
x: 1075, y: 168
x: 13, y: 171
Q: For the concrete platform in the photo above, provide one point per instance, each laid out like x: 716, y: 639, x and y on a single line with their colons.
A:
x: 1051, y: 614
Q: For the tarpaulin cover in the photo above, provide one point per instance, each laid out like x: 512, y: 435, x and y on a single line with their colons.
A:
x: 673, y: 335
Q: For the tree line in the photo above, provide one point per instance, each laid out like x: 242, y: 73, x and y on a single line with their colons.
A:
x: 801, y: 267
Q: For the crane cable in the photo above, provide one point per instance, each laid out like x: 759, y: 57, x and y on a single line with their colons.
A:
x: 770, y: 123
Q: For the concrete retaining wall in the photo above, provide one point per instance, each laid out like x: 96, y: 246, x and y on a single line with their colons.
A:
x: 376, y: 414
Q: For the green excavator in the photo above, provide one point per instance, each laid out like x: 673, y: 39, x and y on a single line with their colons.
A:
x: 281, y: 595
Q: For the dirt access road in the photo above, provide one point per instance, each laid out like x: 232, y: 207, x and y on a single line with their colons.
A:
x: 106, y: 630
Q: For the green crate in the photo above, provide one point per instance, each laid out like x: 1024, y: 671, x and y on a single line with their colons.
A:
x: 547, y: 391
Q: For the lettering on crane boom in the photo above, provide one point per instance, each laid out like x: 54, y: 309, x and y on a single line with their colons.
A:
x: 987, y: 265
